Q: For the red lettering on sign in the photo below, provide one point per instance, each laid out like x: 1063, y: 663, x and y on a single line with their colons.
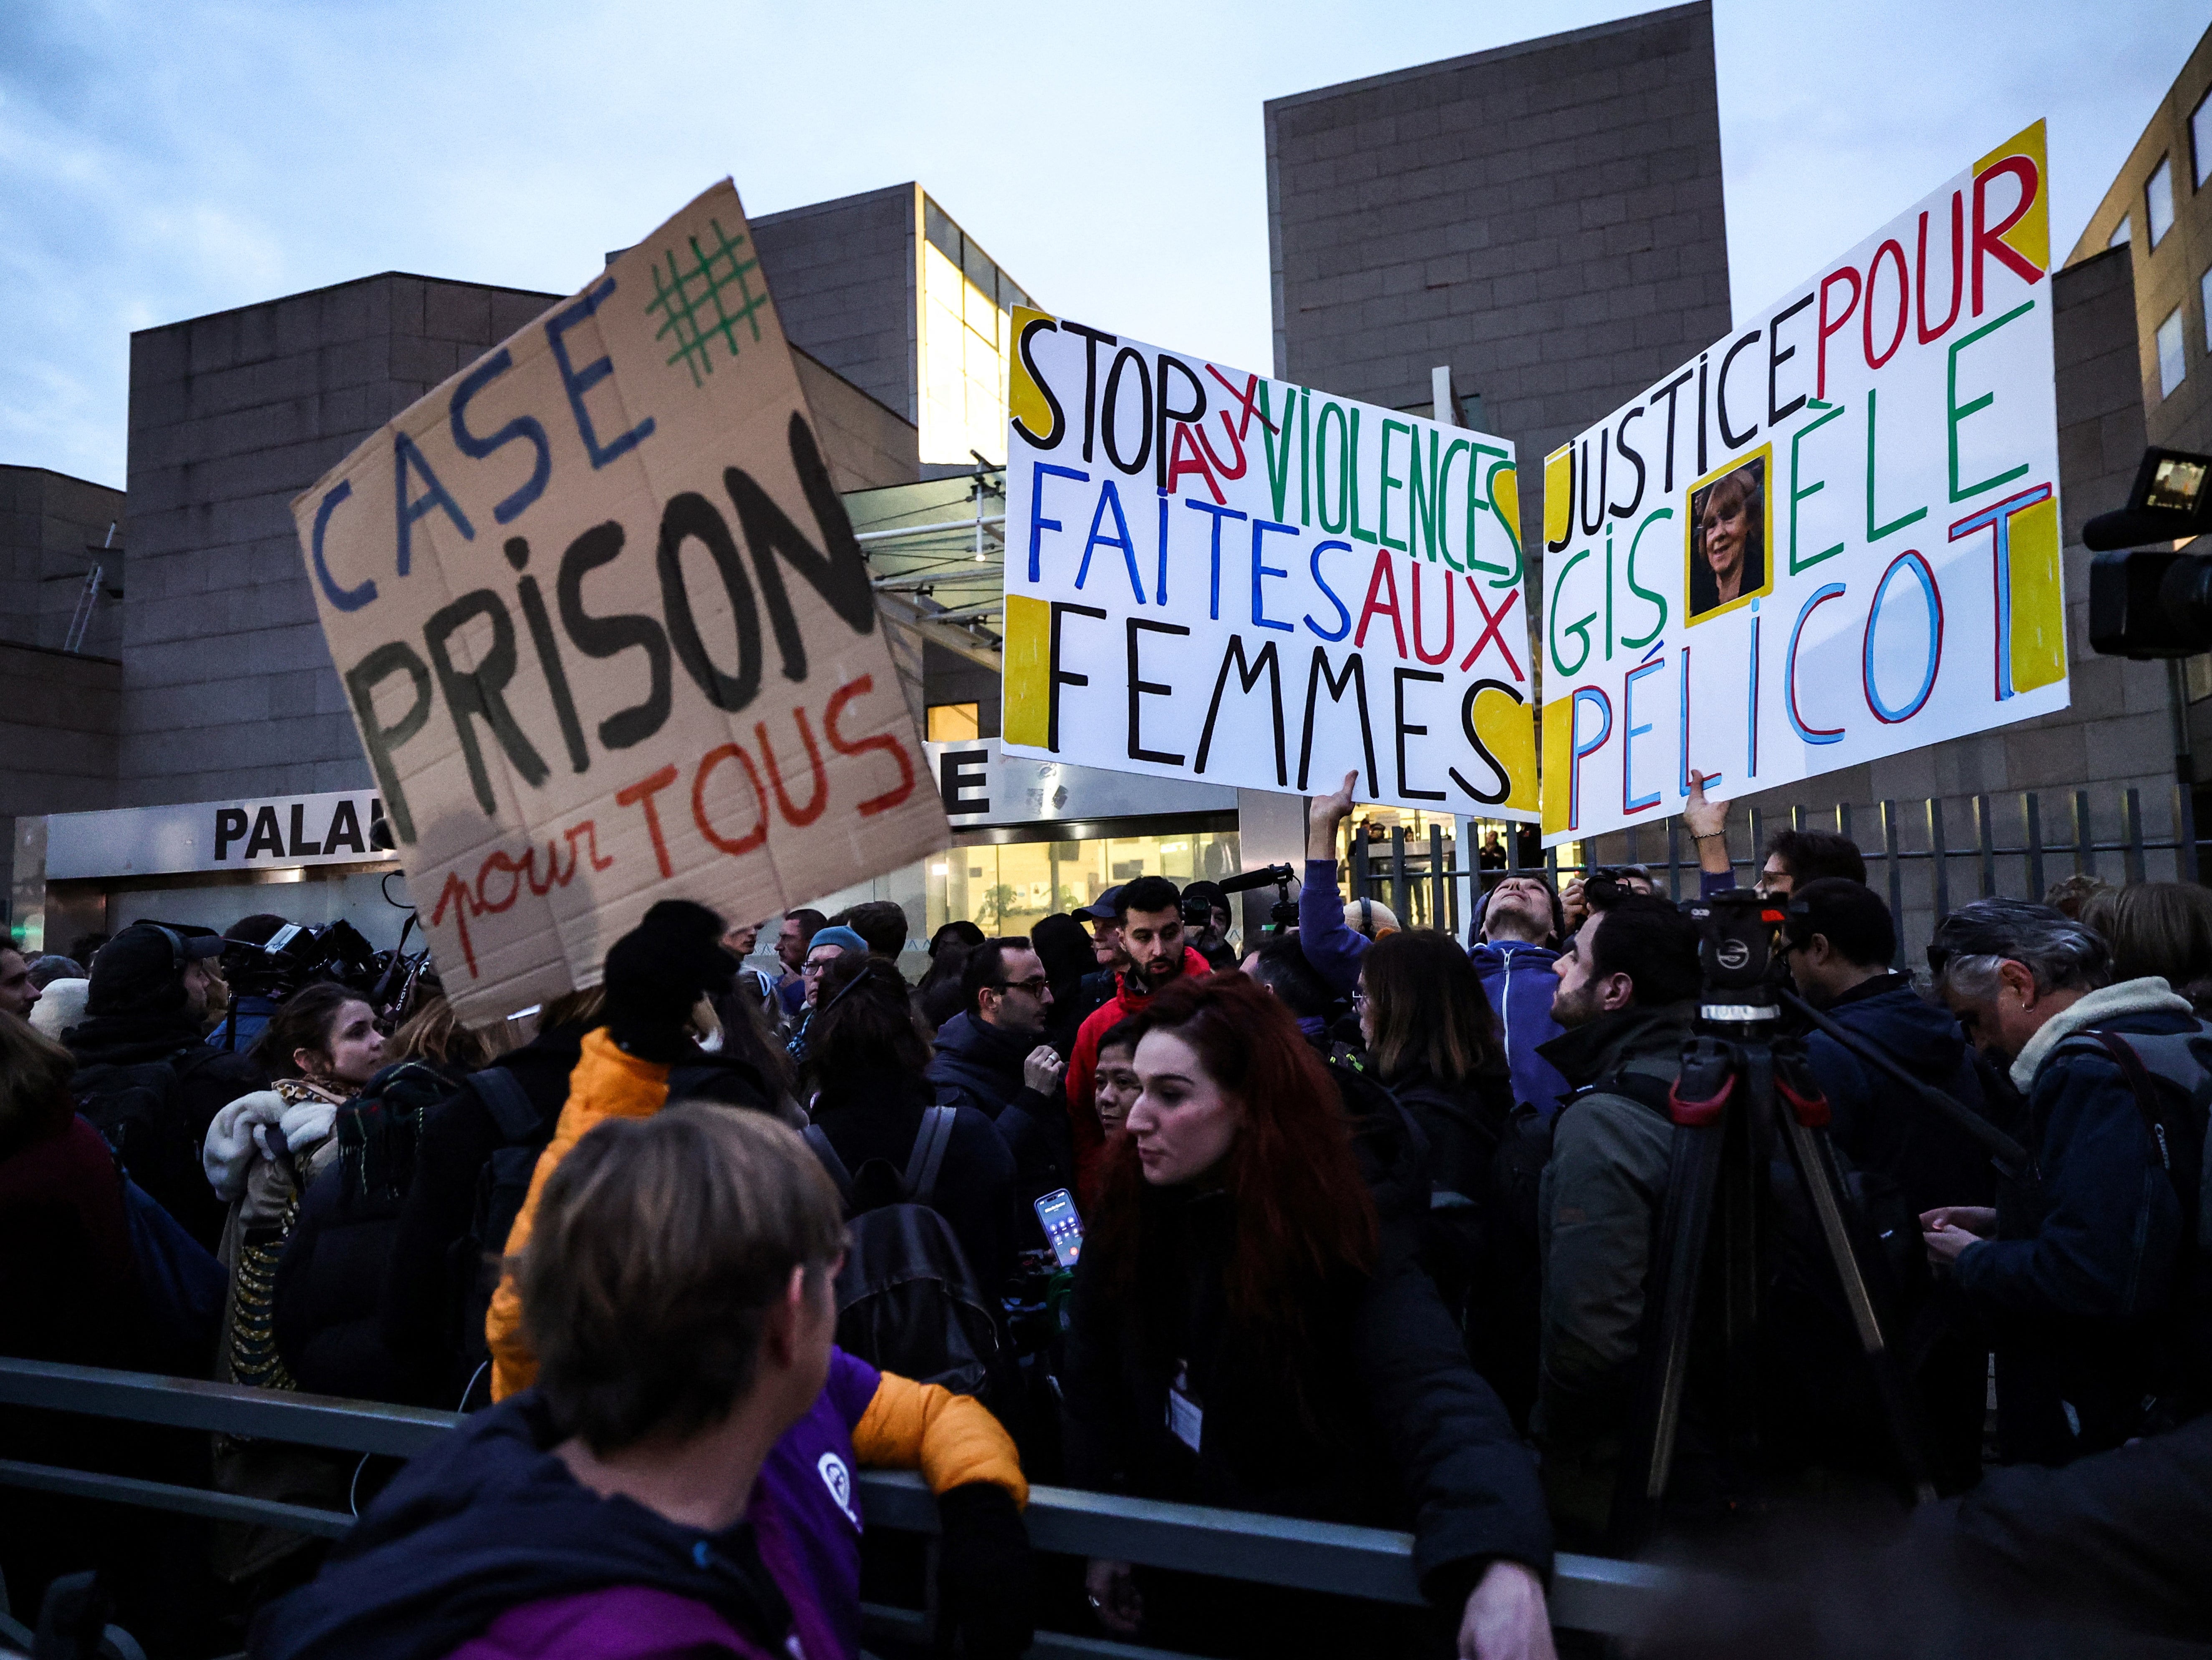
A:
x: 1848, y: 274
x: 884, y: 741
x: 1178, y: 465
x: 1989, y: 239
x: 590, y: 832
x: 1492, y: 627
x: 820, y: 797
x: 640, y: 794
x: 758, y: 835
x: 1451, y: 618
x: 456, y: 893
x: 1382, y: 577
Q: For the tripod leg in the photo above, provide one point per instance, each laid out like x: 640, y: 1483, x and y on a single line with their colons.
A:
x: 1693, y: 1174
x: 1816, y: 1168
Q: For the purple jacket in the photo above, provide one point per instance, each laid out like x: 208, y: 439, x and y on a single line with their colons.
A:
x: 805, y: 1517
x: 486, y: 1548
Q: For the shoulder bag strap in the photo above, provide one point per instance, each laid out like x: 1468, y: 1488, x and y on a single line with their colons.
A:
x: 929, y: 1157
x: 506, y: 1100
x: 818, y: 1139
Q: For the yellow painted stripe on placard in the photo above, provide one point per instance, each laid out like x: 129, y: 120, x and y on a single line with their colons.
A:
x: 1559, y: 495
x: 2031, y: 237
x: 1506, y: 727
x: 1506, y: 497
x: 2038, y: 600
x: 1558, y: 753
x: 1025, y: 717
x: 1025, y: 399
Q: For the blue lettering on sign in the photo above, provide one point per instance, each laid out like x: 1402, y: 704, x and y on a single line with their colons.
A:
x: 343, y: 599
x: 579, y: 381
x: 403, y: 456
x: 522, y: 427
x: 1259, y: 618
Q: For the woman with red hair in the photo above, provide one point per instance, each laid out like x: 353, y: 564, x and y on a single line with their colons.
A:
x: 1244, y: 1333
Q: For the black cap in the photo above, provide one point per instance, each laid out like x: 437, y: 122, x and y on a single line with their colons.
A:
x: 1101, y: 909
x: 142, y: 968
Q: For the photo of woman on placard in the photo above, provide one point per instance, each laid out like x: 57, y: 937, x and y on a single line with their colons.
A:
x: 1727, y: 538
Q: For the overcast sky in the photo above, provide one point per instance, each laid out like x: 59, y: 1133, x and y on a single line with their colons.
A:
x: 159, y: 161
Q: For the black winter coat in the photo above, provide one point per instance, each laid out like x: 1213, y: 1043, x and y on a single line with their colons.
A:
x: 1382, y: 1422
x: 207, y: 1081
x: 328, y: 1305
x: 427, y: 1282
x: 974, y: 1185
x: 977, y: 1064
x: 1462, y: 1122
x: 2078, y: 1286
x: 1875, y: 1123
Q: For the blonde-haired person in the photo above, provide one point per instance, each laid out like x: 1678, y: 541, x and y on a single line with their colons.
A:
x: 680, y: 1479
x: 435, y: 1035
x: 654, y: 975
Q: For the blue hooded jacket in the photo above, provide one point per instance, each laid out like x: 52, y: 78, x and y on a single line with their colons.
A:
x: 1875, y: 1122
x: 1518, y: 980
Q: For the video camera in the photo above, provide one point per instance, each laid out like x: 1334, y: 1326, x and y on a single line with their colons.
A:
x: 1284, y: 913
x: 1736, y: 953
x: 2152, y: 602
x: 299, y: 954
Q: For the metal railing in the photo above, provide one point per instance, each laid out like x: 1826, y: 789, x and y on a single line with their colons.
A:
x: 1913, y: 857
x: 1589, y: 1593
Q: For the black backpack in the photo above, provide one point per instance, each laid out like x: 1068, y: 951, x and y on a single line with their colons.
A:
x: 907, y: 1300
x: 2170, y: 1074
x: 474, y: 1260
x: 138, y: 1108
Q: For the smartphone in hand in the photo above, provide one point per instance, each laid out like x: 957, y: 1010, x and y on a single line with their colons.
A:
x: 1062, y: 1227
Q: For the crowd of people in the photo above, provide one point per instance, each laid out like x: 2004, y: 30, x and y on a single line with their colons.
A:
x: 1352, y: 1222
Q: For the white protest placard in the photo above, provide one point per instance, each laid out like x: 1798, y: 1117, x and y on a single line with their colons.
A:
x: 606, y: 632
x: 1832, y: 536
x: 1218, y: 577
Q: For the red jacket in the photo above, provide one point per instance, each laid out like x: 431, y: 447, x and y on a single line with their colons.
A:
x: 1083, y: 1073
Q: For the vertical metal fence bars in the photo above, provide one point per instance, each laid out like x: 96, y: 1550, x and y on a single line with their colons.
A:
x: 2009, y: 852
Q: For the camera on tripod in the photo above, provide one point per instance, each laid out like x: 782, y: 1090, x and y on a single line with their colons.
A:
x: 2152, y: 602
x: 1736, y: 953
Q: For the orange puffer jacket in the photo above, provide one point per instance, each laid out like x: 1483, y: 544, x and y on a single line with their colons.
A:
x: 952, y: 1439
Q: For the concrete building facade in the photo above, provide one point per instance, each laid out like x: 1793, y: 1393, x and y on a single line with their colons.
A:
x: 1545, y: 218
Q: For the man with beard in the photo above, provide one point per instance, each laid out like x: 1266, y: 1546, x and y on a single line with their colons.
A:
x: 1626, y: 997
x: 993, y: 1056
x: 1148, y: 913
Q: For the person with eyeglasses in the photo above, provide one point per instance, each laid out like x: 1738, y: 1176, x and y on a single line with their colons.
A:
x: 828, y: 945
x: 993, y: 1056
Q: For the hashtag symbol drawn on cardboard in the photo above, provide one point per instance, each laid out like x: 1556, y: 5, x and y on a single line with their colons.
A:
x: 690, y: 297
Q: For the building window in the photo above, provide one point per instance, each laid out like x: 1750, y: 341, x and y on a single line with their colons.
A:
x: 2200, y: 139
x: 965, y: 319
x: 2204, y: 296
x: 1010, y: 887
x: 2158, y: 200
x: 2171, y: 365
x: 2122, y: 233
x: 953, y: 723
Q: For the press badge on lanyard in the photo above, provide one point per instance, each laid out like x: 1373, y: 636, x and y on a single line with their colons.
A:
x: 1186, y: 1418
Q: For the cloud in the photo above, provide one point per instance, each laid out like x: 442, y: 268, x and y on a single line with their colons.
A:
x: 168, y: 161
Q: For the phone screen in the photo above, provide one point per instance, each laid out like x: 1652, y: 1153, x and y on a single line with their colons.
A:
x: 1062, y: 1227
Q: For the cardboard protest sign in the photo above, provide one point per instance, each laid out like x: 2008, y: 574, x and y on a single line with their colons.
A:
x: 1831, y: 537
x: 1214, y: 576
x: 606, y: 632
